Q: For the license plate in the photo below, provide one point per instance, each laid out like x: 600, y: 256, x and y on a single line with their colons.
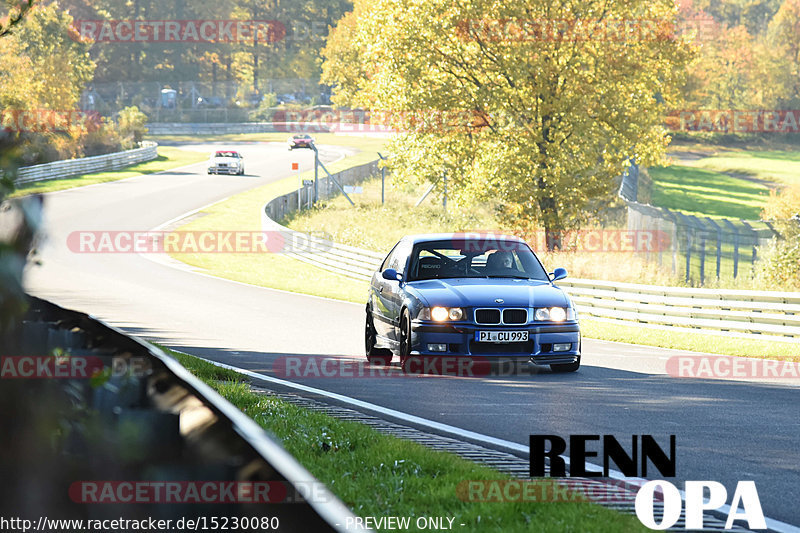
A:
x: 501, y: 336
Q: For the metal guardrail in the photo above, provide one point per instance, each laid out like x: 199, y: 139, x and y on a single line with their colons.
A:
x: 341, y: 259
x: 754, y: 314
x: 222, y: 128
x: 279, y: 207
x: 184, y: 431
x: 85, y: 165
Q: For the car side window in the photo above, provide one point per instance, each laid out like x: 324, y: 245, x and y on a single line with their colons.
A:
x: 389, y: 258
x: 400, y: 257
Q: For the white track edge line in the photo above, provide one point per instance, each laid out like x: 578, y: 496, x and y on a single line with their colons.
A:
x: 772, y: 524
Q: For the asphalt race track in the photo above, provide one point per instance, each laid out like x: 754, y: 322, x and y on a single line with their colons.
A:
x: 726, y: 430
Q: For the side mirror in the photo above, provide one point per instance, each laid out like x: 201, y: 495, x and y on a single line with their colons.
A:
x: 392, y: 275
x: 557, y: 274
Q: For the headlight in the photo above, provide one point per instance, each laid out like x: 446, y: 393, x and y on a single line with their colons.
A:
x: 552, y: 314
x: 558, y: 314
x: 441, y: 314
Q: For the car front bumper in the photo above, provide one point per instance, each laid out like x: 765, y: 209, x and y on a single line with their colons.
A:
x: 460, y: 341
x: 224, y: 170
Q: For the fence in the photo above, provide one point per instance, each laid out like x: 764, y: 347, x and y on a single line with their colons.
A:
x: 85, y: 165
x: 194, y: 101
x: 349, y: 261
x: 281, y: 206
x: 700, y: 247
x: 201, y: 128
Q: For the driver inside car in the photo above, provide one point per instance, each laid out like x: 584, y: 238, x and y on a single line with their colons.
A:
x: 499, y: 263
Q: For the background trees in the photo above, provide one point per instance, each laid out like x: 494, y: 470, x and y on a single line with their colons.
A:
x: 541, y: 123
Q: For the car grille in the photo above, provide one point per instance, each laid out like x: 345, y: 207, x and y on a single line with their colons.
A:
x: 515, y: 316
x: 487, y: 316
x: 509, y: 316
x: 511, y: 348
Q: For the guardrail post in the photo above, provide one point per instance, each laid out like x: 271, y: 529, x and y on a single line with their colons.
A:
x: 719, y: 243
x: 674, y: 243
x: 690, y: 234
x: 316, y: 172
x: 755, y: 244
x: 383, y: 180
x: 702, y: 232
x: 735, y: 233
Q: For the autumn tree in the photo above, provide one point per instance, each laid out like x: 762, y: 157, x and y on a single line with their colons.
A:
x: 784, y: 40
x: 538, y: 106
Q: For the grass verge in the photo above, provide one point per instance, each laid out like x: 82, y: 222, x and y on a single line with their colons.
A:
x: 723, y: 181
x: 380, y: 475
x: 692, y: 340
x: 168, y: 158
x: 773, y: 166
x: 356, y: 226
x: 703, y: 192
x: 243, y: 212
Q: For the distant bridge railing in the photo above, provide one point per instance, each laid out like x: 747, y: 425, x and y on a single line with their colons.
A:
x: 223, y: 128
x: 86, y: 165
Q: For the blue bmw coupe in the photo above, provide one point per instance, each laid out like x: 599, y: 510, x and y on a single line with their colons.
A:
x: 470, y: 295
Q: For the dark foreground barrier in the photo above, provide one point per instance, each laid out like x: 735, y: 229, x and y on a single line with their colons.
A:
x: 117, y: 430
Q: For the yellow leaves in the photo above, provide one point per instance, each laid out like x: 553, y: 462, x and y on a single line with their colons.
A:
x: 550, y: 109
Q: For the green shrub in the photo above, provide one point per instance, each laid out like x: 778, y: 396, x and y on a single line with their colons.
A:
x: 131, y: 124
x: 780, y: 260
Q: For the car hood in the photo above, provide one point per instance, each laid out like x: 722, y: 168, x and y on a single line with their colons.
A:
x: 483, y: 292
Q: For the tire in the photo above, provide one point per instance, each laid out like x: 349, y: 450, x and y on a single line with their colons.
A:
x: 567, y: 367
x: 405, y: 340
x: 375, y: 356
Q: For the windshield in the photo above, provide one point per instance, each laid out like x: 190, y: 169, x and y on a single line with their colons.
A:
x: 227, y: 154
x: 474, y: 259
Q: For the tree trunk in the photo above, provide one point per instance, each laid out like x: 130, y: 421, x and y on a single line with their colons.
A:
x: 547, y: 201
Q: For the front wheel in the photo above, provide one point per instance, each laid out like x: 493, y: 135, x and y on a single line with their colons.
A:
x: 405, y: 340
x: 375, y: 356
